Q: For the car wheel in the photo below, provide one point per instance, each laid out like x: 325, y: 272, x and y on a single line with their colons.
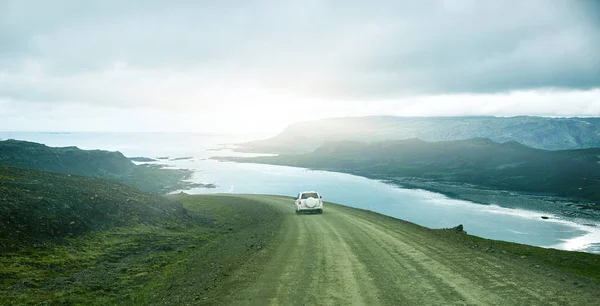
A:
x: 320, y: 211
x: 297, y: 212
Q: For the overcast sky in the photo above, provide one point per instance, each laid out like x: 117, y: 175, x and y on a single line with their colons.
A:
x: 255, y: 66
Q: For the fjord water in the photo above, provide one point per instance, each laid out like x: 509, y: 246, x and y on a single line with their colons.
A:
x: 422, y: 207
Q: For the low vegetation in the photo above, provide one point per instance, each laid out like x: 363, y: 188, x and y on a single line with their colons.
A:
x: 69, y: 240
x: 38, y: 207
x: 577, y: 263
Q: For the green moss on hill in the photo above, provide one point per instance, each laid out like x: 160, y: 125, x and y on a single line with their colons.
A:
x: 37, y: 207
x: 141, y: 262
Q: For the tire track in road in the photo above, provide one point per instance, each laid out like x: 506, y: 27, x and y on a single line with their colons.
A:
x: 496, y: 275
x: 312, y: 265
x: 428, y: 279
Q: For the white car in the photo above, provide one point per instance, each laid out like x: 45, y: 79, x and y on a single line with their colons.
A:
x: 309, y: 201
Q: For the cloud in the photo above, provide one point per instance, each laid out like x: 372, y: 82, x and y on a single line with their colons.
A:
x: 266, y: 116
x: 195, y: 57
x: 553, y: 103
x: 484, y: 46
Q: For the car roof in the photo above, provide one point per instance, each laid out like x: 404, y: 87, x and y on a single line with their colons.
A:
x: 308, y: 192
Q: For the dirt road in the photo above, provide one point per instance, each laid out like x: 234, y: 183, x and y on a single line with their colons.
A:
x: 352, y: 257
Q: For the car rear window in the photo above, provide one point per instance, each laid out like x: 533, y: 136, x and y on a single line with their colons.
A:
x: 310, y: 195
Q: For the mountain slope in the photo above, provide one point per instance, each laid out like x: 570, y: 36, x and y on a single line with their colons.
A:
x: 535, y: 132
x: 38, y: 206
x: 482, y: 162
x: 68, y: 160
x: 92, y: 163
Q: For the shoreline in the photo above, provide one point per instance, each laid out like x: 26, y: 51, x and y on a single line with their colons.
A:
x: 571, y: 209
x: 562, y: 207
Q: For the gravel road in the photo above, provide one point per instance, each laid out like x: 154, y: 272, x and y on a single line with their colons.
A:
x: 352, y: 257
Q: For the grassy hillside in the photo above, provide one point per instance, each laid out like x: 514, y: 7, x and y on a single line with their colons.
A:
x: 482, y: 162
x: 41, y: 207
x: 69, y: 160
x: 93, y: 163
x: 73, y: 240
x: 535, y: 132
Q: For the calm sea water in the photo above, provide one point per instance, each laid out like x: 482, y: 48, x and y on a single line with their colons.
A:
x: 422, y: 207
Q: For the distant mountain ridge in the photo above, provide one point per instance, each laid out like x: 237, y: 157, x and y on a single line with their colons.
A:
x: 112, y: 166
x: 536, y: 132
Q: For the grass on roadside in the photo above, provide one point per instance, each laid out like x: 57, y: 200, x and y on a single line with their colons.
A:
x: 128, y: 265
x: 117, y: 266
x: 578, y: 263
x: 100, y: 268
